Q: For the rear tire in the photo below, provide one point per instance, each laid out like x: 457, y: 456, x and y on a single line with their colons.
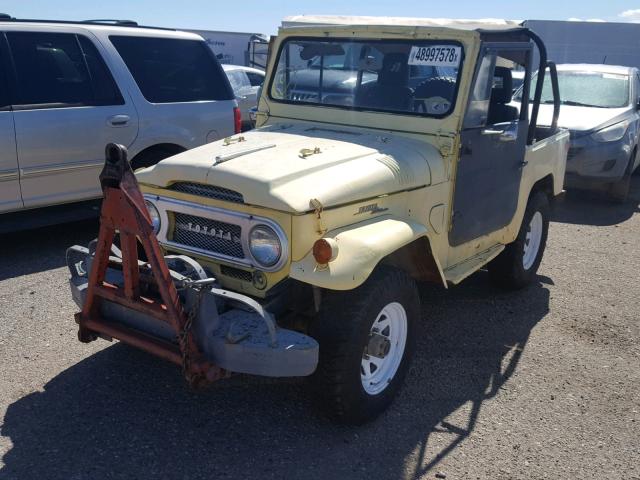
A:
x: 518, y: 263
x: 367, y: 338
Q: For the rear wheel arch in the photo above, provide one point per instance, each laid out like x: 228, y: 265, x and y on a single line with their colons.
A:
x: 153, y: 154
x: 544, y: 185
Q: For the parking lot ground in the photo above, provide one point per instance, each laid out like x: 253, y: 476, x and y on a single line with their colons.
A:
x: 541, y: 383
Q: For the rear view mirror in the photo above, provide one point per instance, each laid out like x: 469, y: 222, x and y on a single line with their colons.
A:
x: 312, y: 50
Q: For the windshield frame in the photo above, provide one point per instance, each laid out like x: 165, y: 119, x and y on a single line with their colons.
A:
x: 422, y: 41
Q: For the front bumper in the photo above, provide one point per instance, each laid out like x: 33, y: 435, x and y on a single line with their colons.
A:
x: 232, y: 331
x: 591, y: 164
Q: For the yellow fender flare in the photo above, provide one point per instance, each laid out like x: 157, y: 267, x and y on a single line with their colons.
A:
x: 360, y: 248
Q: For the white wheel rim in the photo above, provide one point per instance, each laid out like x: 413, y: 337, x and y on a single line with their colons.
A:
x: 532, y: 241
x: 376, y: 373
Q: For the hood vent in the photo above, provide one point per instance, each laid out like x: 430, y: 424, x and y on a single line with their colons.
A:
x: 208, y: 191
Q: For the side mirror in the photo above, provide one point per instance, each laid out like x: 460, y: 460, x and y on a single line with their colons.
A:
x: 638, y: 104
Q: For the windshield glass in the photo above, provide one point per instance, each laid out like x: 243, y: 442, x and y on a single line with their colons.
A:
x: 415, y: 77
x: 590, y: 89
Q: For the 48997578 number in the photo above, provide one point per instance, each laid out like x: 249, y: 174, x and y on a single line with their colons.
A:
x: 435, y: 55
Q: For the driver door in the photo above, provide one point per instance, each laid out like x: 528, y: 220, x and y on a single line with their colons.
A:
x: 493, y: 143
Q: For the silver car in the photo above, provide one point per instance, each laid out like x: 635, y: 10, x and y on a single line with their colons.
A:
x: 246, y: 83
x: 600, y: 107
x: 69, y: 88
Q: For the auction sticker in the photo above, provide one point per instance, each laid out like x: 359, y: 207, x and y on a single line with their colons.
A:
x: 436, y: 56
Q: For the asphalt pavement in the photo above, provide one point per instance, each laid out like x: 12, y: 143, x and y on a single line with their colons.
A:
x: 540, y: 383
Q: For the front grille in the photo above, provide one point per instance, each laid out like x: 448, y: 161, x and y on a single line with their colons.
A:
x: 207, y: 234
x: 235, y: 273
x: 209, y: 191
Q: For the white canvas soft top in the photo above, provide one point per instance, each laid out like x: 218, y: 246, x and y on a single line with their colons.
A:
x: 462, y: 24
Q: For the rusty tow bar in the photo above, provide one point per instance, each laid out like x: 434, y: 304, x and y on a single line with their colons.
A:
x: 124, y: 213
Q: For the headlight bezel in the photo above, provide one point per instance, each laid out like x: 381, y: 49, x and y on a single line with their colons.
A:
x: 154, y: 214
x: 612, y: 133
x: 264, y: 228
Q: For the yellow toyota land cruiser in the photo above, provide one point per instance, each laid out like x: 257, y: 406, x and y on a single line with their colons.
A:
x: 386, y: 157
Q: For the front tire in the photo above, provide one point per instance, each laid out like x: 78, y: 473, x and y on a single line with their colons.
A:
x: 518, y: 263
x: 367, y: 338
x: 619, y: 191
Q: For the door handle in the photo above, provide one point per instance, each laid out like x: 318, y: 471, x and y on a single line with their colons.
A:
x: 491, y: 131
x: 509, y: 134
x: 118, y: 120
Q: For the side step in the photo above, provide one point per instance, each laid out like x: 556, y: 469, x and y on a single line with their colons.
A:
x: 456, y: 273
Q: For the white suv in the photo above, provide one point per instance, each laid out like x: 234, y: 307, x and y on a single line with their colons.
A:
x: 69, y: 88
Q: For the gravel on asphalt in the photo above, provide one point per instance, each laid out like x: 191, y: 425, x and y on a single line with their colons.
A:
x: 540, y: 383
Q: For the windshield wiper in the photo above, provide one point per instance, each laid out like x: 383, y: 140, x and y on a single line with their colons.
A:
x: 578, y: 104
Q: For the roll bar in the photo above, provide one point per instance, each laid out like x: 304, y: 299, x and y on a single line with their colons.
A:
x: 544, y: 64
x: 556, y: 95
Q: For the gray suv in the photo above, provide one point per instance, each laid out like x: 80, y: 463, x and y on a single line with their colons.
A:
x: 69, y: 88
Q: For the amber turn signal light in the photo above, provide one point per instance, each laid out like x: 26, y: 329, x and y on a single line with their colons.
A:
x: 325, y: 250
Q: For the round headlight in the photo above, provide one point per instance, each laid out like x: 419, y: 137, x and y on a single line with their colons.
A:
x: 265, y: 245
x: 155, y: 216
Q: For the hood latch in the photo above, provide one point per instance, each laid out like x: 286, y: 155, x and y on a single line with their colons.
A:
x: 317, y: 209
x: 307, y: 152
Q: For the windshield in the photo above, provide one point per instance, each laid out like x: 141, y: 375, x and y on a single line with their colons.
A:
x: 414, y: 77
x: 589, y: 89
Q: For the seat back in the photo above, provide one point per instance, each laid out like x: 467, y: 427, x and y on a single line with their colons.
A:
x: 501, y: 95
x: 391, y: 90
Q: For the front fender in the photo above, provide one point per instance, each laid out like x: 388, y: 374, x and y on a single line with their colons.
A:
x: 361, y: 247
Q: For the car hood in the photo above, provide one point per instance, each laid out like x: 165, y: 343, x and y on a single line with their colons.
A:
x: 582, y: 119
x: 283, y: 167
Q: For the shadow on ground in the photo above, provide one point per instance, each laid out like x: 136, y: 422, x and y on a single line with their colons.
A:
x: 42, y: 249
x: 122, y: 414
x: 594, y: 208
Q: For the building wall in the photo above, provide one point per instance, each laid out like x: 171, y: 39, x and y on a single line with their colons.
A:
x: 589, y: 42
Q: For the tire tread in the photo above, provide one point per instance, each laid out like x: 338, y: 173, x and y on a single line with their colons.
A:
x: 338, y: 330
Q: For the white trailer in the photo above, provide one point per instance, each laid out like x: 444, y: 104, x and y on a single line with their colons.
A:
x: 237, y: 48
x: 589, y: 42
x: 566, y: 41
x: 307, y: 20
